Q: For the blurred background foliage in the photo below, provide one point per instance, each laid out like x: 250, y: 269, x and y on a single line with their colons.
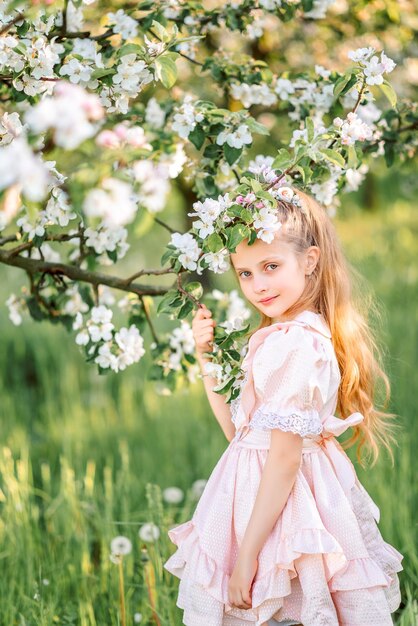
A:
x: 79, y: 451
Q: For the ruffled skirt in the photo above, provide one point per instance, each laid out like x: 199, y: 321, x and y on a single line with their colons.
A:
x: 324, y: 563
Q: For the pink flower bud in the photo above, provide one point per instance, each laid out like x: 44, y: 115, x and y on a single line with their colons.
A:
x: 107, y: 139
x: 259, y: 205
x: 239, y: 199
x: 121, y: 131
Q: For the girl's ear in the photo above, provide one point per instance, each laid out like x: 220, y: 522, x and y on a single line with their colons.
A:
x: 312, y: 256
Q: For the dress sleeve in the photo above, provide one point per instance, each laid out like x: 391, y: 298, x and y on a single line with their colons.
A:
x: 291, y: 373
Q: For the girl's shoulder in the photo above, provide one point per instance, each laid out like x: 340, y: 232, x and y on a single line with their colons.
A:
x: 307, y: 334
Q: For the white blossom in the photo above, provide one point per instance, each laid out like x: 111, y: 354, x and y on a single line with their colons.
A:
x: 253, y: 94
x: 154, y: 48
x: 69, y: 112
x: 185, y: 118
x: 325, y: 192
x: 74, y: 18
x: 123, y: 24
x: 154, y: 114
x: 375, y: 68
x: 48, y: 254
x: 99, y: 325
x: 75, y: 303
x: 218, y: 262
x: 236, y: 138
x: 214, y: 370
x: 115, y: 203
x: 267, y: 224
x: 154, y: 183
x: 354, y: 178
x: 16, y: 307
x: 132, y: 74
x: 361, y: 54
x: 181, y: 339
x: 19, y: 165
x: 57, y: 210
x: 189, y: 249
x: 10, y: 127
x: 352, y: 129
x: 130, y: 343
x: 105, y: 238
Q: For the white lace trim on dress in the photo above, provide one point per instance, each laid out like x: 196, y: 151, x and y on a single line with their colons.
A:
x: 308, y: 423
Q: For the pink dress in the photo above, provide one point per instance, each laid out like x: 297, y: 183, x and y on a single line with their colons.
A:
x: 325, y: 562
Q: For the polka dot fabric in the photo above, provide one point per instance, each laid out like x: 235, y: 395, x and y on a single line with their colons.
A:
x: 325, y: 562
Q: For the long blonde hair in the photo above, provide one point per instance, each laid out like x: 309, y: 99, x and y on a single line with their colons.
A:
x: 329, y: 291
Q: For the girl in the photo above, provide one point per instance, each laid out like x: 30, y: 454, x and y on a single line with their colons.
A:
x: 284, y: 532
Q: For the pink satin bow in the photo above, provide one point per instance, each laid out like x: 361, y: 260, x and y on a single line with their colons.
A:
x: 343, y: 467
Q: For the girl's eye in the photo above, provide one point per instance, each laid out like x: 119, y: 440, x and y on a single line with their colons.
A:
x: 269, y: 265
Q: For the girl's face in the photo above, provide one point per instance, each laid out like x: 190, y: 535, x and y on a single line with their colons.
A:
x: 272, y: 270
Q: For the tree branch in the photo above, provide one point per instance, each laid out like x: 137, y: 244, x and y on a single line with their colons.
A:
x: 33, y: 266
x: 7, y: 27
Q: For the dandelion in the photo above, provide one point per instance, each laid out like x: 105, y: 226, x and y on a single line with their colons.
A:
x: 121, y: 545
x: 149, y: 532
x: 173, y: 495
x: 198, y: 487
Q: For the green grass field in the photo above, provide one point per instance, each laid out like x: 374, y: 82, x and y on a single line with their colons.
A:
x: 84, y: 458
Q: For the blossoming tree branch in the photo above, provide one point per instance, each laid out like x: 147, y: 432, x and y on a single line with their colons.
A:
x: 99, y: 117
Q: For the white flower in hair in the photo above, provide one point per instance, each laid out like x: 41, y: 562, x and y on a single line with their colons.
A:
x: 285, y: 193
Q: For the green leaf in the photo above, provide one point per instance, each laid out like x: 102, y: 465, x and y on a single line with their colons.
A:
x: 333, y: 156
x: 256, y: 127
x: 236, y: 234
x: 212, y: 151
x: 195, y: 289
x: 129, y: 48
x: 167, y: 255
x: 161, y: 32
x: 256, y: 185
x: 34, y: 309
x: 389, y: 92
x: 231, y: 154
x: 246, y: 216
x: 166, y: 70
x: 169, y: 301
x: 197, y: 137
x: 309, y: 125
x: 342, y: 83
x: 99, y: 73
x: 352, y: 159
x: 185, y: 309
x: 282, y: 160
x: 214, y: 242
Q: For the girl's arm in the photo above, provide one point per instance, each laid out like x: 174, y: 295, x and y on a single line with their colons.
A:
x: 217, y: 402
x: 278, y: 477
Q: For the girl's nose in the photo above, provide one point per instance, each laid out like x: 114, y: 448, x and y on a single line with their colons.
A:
x: 259, y: 284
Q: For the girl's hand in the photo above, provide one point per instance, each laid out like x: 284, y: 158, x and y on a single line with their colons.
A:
x: 239, y: 586
x: 202, y: 327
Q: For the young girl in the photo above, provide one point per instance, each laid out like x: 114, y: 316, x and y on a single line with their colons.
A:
x: 284, y: 532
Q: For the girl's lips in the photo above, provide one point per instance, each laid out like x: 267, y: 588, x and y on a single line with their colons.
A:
x: 268, y: 301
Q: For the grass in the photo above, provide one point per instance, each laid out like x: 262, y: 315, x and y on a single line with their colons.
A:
x: 85, y: 457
